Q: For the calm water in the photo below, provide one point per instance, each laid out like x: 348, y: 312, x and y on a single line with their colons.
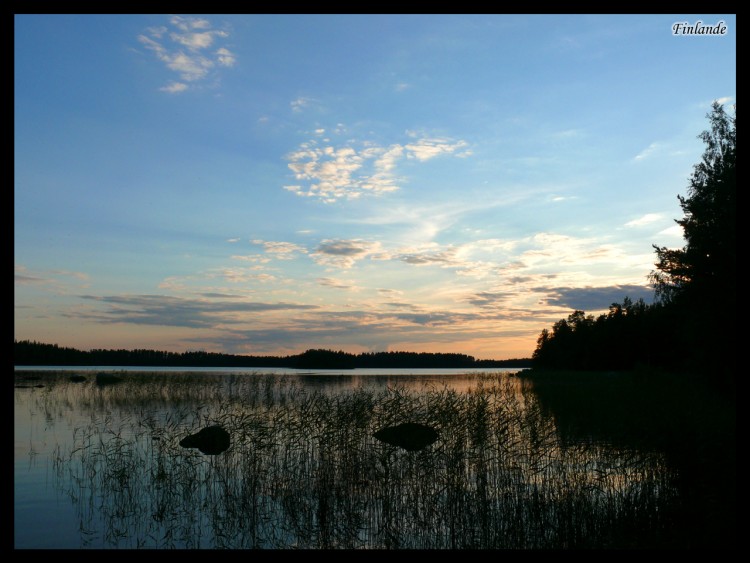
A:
x: 98, y: 464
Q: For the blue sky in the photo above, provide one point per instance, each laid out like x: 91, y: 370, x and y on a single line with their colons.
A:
x: 265, y: 184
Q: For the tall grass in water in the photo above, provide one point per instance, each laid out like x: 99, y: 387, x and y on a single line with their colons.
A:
x: 304, y: 471
x: 689, y: 420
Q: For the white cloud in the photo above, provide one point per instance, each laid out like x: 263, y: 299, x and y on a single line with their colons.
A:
x: 647, y: 219
x: 245, y: 275
x: 190, y: 67
x: 233, y: 239
x: 551, y: 251
x: 494, y: 255
x: 297, y: 190
x: 490, y: 245
x: 332, y: 173
x: 557, y: 198
x: 193, y: 41
x: 225, y: 57
x: 387, y: 161
x: 648, y: 151
x: 282, y: 250
x: 673, y: 231
x: 480, y: 269
x: 174, y: 87
x: 184, y: 50
x: 299, y: 104
x: 329, y: 172
x: 257, y: 258
x: 425, y: 149
x: 725, y: 100
x: 187, y: 24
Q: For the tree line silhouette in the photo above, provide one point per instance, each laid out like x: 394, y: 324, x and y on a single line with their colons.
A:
x: 691, y: 325
x: 27, y: 352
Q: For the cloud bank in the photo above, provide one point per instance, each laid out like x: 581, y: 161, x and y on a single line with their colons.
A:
x: 598, y: 298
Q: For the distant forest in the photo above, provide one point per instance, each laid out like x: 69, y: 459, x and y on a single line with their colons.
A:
x: 691, y: 327
x: 26, y: 352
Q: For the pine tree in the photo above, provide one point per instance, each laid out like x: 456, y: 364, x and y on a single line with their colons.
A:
x: 707, y: 264
x: 699, y: 280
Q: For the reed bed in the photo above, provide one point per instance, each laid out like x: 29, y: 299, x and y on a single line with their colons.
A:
x: 304, y: 471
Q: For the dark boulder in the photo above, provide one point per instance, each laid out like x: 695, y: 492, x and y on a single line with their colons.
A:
x: 211, y: 440
x: 78, y: 378
x: 409, y: 436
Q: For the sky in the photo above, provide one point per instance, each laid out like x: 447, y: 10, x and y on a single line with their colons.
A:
x: 267, y: 184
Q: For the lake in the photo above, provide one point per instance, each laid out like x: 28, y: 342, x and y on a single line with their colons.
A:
x: 98, y: 464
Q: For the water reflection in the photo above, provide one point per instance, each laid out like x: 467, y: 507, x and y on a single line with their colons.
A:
x: 304, y: 469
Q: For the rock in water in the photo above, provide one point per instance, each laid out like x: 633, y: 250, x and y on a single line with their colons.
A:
x: 211, y: 440
x: 409, y: 435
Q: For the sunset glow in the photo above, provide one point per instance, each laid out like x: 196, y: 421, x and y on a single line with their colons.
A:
x: 265, y: 184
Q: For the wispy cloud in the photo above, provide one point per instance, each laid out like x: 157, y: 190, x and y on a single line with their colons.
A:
x: 335, y: 283
x: 174, y: 87
x: 225, y: 57
x: 553, y: 248
x: 477, y: 259
x: 343, y: 253
x: 24, y: 279
x: 542, y: 253
x: 299, y: 104
x: 165, y: 310
x: 281, y: 250
x: 332, y: 173
x: 257, y: 258
x: 390, y: 292
x: 558, y: 198
x: 55, y: 279
x: 647, y: 219
x: 648, y: 151
x: 425, y: 149
x: 491, y: 299
x: 185, y: 48
x: 420, y: 258
x: 673, y: 231
x: 245, y: 275
x: 401, y: 305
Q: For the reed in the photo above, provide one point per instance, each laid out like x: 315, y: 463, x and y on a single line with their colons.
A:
x: 304, y: 470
